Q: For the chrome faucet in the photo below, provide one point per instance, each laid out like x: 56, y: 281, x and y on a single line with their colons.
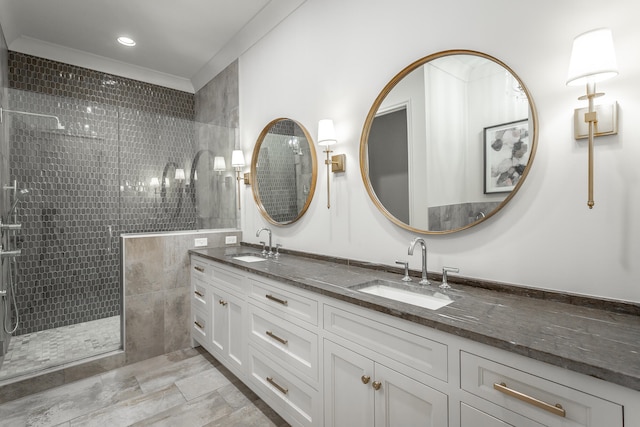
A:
x: 412, y: 245
x: 270, y: 253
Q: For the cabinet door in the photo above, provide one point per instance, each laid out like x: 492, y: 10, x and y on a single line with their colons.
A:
x: 403, y: 401
x: 219, y: 322
x: 227, y: 331
x: 348, y: 395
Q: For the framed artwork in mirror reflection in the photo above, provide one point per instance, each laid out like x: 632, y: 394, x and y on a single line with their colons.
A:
x: 506, y: 154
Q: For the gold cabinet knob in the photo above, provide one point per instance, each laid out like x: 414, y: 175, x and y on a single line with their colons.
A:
x: 365, y: 379
x: 376, y: 385
x: 222, y: 302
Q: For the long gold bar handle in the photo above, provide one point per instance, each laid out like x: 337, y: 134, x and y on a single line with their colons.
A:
x: 199, y: 325
x: 278, y: 386
x: 198, y: 268
x: 554, y: 409
x: 277, y: 338
x: 278, y: 300
x: 200, y: 294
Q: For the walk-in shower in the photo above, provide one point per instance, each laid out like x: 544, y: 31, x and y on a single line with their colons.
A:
x: 83, y: 173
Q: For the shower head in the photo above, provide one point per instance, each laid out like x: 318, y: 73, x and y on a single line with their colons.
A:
x: 19, y: 195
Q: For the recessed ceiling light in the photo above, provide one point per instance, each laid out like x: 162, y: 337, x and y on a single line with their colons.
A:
x: 126, y: 41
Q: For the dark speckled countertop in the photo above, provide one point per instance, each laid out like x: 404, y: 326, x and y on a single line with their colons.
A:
x: 601, y: 343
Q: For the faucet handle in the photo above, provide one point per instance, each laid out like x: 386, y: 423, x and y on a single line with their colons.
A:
x: 264, y: 248
x: 406, y: 277
x: 277, y: 254
x: 445, y: 270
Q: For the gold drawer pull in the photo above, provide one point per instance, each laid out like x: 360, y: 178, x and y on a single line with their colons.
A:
x: 200, y: 294
x: 200, y: 269
x: 365, y: 379
x: 278, y: 300
x: 278, y: 386
x: 376, y: 385
x: 554, y: 409
x: 222, y: 303
x: 277, y: 338
x: 198, y: 324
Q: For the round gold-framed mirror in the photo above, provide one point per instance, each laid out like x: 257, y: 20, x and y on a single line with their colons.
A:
x: 284, y: 171
x: 448, y: 142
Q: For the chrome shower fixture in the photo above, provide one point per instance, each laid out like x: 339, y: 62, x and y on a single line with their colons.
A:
x: 59, y: 125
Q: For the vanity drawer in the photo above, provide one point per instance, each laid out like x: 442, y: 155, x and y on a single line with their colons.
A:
x: 472, y: 417
x: 283, y: 302
x: 539, y: 399
x: 201, y: 328
x: 291, y: 344
x: 283, y: 390
x: 200, y: 294
x: 413, y: 350
x: 200, y: 268
x: 228, y: 280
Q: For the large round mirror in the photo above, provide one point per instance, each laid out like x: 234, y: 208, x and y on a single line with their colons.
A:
x: 285, y: 169
x: 448, y: 142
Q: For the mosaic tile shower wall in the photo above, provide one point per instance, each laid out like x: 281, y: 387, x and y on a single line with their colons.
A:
x: 96, y: 173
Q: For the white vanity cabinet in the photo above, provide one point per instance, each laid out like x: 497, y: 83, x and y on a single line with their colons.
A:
x: 361, y: 392
x: 320, y: 361
x: 541, y: 401
x: 283, y: 347
x: 380, y: 375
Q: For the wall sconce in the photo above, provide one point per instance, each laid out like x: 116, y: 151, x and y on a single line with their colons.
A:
x: 237, y: 162
x: 327, y: 137
x: 593, y: 60
x: 219, y: 164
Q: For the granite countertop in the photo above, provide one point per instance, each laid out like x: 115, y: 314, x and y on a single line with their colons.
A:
x: 597, y: 342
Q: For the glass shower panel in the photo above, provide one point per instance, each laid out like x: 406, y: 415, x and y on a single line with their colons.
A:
x: 68, y: 290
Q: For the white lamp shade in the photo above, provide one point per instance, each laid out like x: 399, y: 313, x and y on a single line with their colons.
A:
x: 326, y: 132
x: 155, y: 182
x: 593, y: 58
x: 218, y: 164
x: 237, y: 159
x: 179, y: 174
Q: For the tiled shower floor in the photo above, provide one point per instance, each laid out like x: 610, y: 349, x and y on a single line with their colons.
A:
x: 44, y: 349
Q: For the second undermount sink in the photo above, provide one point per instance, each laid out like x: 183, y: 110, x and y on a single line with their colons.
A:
x: 406, y: 293
x: 249, y: 258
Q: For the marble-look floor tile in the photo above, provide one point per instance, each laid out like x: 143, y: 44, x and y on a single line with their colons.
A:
x: 202, y: 383
x: 127, y: 412
x: 61, y: 404
x: 247, y: 416
x: 161, y: 377
x: 194, y: 413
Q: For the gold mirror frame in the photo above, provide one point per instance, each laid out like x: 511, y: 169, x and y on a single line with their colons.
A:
x: 364, y: 164
x: 254, y: 172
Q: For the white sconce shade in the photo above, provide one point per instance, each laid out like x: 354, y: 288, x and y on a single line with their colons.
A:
x: 237, y: 159
x: 326, y: 133
x: 219, y: 164
x: 179, y: 175
x: 155, y: 182
x: 593, y: 58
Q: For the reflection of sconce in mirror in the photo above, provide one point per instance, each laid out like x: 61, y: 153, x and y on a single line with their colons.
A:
x: 593, y: 59
x: 219, y: 164
x: 327, y: 137
x: 179, y: 175
x: 237, y: 162
x: 294, y: 144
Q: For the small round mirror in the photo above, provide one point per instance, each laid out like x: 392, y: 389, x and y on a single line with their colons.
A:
x: 448, y: 142
x: 284, y: 170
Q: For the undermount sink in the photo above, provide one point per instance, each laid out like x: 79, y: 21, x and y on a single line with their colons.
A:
x: 249, y: 258
x: 406, y: 293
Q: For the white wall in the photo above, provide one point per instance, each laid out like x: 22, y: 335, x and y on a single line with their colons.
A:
x: 342, y: 53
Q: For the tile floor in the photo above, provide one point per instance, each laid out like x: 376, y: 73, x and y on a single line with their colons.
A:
x: 187, y: 388
x: 36, y: 351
